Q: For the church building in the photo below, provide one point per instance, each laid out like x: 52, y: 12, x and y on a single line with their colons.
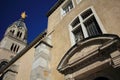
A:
x: 14, y: 41
x: 82, y: 42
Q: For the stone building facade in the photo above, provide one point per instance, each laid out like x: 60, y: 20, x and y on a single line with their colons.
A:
x: 85, y: 40
x: 20, y: 61
x: 35, y: 62
x: 14, y: 41
x: 82, y: 42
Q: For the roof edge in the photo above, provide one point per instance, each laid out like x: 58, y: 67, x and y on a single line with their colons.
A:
x: 57, y: 4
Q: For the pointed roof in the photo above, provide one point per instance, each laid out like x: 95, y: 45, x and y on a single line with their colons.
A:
x: 20, y: 23
x: 57, y: 4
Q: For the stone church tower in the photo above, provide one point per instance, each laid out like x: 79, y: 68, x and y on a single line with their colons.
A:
x: 14, y: 40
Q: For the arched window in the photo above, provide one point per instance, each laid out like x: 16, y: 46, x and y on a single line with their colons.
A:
x: 2, y: 64
x: 17, y: 48
x: 12, y: 47
x: 12, y: 31
x: 18, y: 33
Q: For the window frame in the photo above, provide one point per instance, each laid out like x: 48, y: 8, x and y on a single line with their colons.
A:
x: 14, y: 47
x: 65, y: 4
x: 72, y: 37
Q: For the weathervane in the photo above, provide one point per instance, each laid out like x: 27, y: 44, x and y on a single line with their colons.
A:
x: 23, y: 15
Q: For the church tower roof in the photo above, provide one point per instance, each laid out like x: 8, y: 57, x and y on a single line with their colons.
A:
x: 20, y: 23
x: 18, y: 28
x: 15, y: 37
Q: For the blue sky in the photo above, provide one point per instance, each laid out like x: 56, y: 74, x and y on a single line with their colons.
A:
x: 36, y: 10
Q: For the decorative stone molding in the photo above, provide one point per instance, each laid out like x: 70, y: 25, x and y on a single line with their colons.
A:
x: 115, y: 58
x: 107, y: 45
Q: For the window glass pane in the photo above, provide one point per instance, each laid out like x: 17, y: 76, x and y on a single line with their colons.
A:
x: 66, y: 9
x: 17, y: 49
x: 92, y: 27
x: 18, y: 33
x: 67, y: 6
x: 13, y: 31
x: 12, y: 47
x: 87, y: 27
x: 75, y: 22
x: 78, y: 34
x: 70, y: 5
x: 86, y: 13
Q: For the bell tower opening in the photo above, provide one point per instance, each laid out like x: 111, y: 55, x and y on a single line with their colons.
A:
x: 101, y: 78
